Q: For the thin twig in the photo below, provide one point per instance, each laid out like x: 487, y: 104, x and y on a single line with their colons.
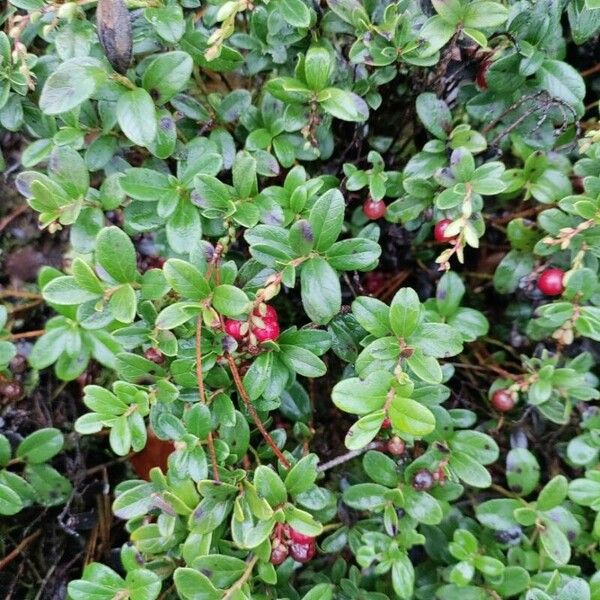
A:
x: 19, y: 294
x: 250, y: 407
x: 27, y: 334
x: 20, y: 547
x: 13, y: 215
x: 202, y: 392
x: 339, y: 460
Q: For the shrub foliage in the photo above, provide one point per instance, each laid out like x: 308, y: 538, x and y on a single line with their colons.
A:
x: 341, y: 259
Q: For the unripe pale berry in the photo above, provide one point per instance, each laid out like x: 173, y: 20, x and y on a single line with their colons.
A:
x: 396, y: 446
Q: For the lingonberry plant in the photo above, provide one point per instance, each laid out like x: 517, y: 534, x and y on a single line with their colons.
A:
x: 328, y: 307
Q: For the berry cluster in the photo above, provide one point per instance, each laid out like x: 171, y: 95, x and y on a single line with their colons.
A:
x: 262, y: 326
x: 287, y: 541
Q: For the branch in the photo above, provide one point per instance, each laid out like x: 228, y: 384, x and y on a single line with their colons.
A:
x: 340, y: 460
x: 250, y: 407
x: 202, y: 392
x: 22, y: 545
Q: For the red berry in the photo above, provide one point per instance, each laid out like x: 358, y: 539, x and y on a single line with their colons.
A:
x: 155, y: 355
x: 302, y: 553
x: 374, y: 209
x: 439, y: 231
x: 232, y: 328
x: 396, y: 446
x: 550, y: 282
x: 422, y: 481
x: 386, y: 424
x: 503, y: 400
x: 270, y: 313
x: 269, y: 332
x: 300, y: 538
x: 279, y: 553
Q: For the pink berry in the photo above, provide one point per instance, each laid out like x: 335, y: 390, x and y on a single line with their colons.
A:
x: 439, y: 231
x: 503, y: 400
x: 374, y: 209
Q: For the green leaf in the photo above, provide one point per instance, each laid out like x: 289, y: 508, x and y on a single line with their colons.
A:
x: 318, y: 66
x: 73, y: 82
x: 186, y: 279
x: 136, y: 116
x: 120, y: 436
x: 482, y: 14
x: 123, y: 303
x: 437, y: 339
x: 373, y: 315
x: 411, y: 417
x: 302, y: 361
x: 177, y: 314
x: 230, y: 300
x: 302, y: 475
x: 403, y: 577
x: 449, y: 292
x: 562, y: 81
x: 365, y: 496
x: 41, y: 445
x: 364, y: 430
x: 498, y: 514
x: 357, y: 254
x: 116, y: 255
x: 381, y: 468
x: 321, y: 591
x: 193, y: 585
x: 295, y: 12
x: 168, y: 74
x: 426, y: 368
x: 66, y: 291
x: 555, y: 543
x: 10, y: 501
x: 321, y: 291
x: 404, y: 312
x: 269, y: 485
x: 553, y: 493
x: 344, y: 105
x: 326, y: 219
x: 522, y: 471
x: 143, y: 584
x: 434, y: 114
x: 470, y: 470
x: 360, y: 397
